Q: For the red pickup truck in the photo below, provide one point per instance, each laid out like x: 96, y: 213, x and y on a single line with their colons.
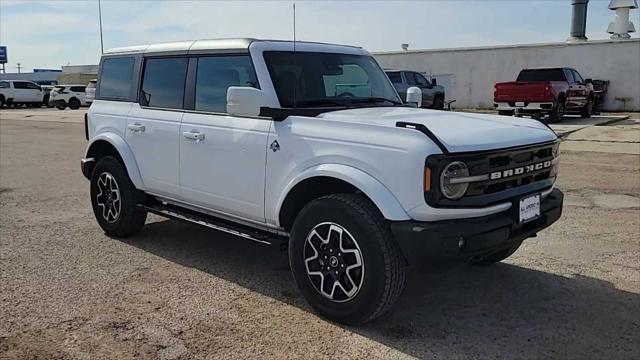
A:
x: 539, y: 92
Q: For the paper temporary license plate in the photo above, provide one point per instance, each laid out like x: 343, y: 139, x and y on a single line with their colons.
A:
x: 519, y: 104
x: 529, y: 208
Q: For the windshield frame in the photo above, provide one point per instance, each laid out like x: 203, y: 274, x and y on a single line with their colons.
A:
x: 391, y: 97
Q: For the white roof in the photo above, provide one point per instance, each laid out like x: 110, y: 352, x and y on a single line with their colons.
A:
x: 211, y: 45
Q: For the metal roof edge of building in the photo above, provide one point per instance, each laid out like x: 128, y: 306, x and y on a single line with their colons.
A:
x: 499, y: 47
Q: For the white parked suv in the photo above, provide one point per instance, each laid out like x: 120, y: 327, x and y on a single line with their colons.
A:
x: 91, y: 91
x: 72, y: 96
x: 313, y: 150
x: 19, y: 92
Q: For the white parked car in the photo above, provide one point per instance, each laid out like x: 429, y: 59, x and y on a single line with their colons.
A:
x: 91, y: 91
x: 72, y: 96
x: 313, y: 150
x: 19, y: 92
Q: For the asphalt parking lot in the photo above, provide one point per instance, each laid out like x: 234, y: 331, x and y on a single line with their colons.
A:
x: 178, y: 291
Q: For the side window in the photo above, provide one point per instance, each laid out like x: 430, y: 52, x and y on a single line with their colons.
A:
x: 411, y: 79
x: 569, y: 76
x: 163, y: 82
x: 32, y: 86
x: 19, y: 85
x: 577, y: 77
x: 4, y: 85
x: 116, y: 78
x: 421, y: 80
x: 395, y: 77
x: 78, y: 88
x: 216, y: 74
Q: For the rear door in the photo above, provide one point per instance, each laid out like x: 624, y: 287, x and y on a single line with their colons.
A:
x: 574, y: 97
x: 222, y: 157
x: 153, y: 123
x: 79, y: 92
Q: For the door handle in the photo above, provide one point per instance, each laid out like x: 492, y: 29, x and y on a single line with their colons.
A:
x: 194, y: 135
x: 136, y: 128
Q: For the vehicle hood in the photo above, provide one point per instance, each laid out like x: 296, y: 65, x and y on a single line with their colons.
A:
x: 458, y: 132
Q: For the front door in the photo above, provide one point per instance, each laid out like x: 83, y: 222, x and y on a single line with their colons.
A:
x: 222, y: 157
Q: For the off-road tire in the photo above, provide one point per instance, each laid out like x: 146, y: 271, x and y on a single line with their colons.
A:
x: 557, y: 114
x: 74, y: 104
x: 496, y: 257
x: 383, y: 268
x: 131, y: 217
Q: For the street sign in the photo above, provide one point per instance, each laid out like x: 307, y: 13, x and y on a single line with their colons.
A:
x: 3, y: 54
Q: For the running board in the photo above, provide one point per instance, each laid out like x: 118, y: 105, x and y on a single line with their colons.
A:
x: 211, y: 222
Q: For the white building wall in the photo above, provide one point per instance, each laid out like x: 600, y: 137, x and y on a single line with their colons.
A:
x: 476, y: 70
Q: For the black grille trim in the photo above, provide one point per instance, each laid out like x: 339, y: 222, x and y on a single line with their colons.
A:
x: 490, y: 192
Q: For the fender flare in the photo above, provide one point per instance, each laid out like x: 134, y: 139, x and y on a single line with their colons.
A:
x: 125, y: 153
x: 384, y: 200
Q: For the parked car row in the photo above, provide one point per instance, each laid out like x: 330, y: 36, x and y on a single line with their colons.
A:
x: 18, y: 93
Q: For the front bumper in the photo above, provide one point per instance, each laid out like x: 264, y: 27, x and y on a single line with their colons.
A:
x: 438, y: 243
x: 86, y: 166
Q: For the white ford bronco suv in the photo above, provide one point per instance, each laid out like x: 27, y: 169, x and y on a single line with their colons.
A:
x: 309, y: 146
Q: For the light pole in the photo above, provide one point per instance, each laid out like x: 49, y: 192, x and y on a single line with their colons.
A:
x: 100, y: 20
x: 18, y: 66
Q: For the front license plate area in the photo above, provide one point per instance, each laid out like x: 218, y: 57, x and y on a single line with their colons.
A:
x: 519, y: 103
x: 529, y: 208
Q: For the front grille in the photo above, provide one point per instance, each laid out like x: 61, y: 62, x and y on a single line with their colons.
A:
x: 488, y: 192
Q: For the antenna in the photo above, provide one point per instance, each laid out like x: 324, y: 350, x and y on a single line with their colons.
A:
x: 295, y: 85
x: 100, y: 20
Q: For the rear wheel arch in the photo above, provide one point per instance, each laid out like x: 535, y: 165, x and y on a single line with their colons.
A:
x: 113, y: 145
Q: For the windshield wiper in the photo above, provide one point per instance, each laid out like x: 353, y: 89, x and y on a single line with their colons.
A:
x: 371, y: 100
x: 323, y: 102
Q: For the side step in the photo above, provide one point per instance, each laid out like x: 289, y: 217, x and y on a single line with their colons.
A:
x: 212, y: 222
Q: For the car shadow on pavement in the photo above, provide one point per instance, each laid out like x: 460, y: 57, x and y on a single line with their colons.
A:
x: 497, y: 311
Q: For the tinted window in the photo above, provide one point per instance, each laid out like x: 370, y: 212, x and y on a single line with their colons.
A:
x: 395, y: 77
x: 541, y: 75
x: 163, y: 82
x: 411, y: 79
x: 327, y: 79
x: 216, y: 74
x: 59, y: 88
x: 19, y: 85
x: 116, y: 77
x: 77, y: 88
x: 577, y: 77
x: 421, y: 80
x: 30, y: 85
x: 4, y: 84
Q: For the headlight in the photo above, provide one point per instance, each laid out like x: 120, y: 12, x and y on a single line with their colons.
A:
x: 452, y: 190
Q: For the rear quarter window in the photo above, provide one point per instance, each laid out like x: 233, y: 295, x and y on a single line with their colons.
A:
x: 116, y: 78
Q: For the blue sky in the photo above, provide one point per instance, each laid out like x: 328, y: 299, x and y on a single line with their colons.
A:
x: 48, y: 34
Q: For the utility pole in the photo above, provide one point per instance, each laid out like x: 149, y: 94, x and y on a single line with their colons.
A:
x: 18, y: 67
x: 100, y: 20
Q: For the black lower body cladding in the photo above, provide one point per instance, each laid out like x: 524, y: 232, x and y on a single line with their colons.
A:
x: 448, y: 242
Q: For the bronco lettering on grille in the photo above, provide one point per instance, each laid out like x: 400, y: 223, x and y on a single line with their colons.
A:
x: 520, y: 170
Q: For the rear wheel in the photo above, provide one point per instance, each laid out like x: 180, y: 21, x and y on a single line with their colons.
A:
x: 115, y: 200
x: 74, y: 104
x: 556, y: 115
x: 61, y: 106
x: 345, y: 260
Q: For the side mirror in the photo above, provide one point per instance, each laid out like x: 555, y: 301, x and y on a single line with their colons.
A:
x: 588, y: 81
x: 434, y: 82
x: 245, y: 101
x: 414, y: 96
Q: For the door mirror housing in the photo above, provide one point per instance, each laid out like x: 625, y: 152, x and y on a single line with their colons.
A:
x: 588, y: 81
x: 434, y: 82
x: 246, y: 101
x: 414, y: 96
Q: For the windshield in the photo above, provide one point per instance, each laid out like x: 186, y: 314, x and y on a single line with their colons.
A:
x: 306, y: 79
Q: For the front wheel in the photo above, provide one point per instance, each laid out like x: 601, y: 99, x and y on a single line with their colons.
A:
x: 587, y: 110
x: 74, y: 104
x: 345, y: 260
x: 115, y: 199
x: 438, y: 103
